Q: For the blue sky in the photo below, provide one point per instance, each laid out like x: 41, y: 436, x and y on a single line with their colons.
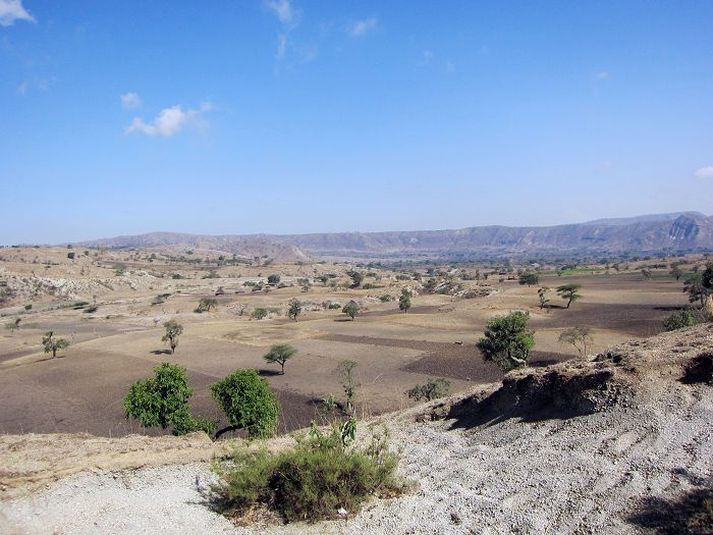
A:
x: 282, y: 116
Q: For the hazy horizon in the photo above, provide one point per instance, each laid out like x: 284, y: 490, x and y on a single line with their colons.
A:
x: 294, y: 117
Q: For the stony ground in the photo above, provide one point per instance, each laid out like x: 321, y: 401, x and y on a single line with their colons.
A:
x: 588, y: 447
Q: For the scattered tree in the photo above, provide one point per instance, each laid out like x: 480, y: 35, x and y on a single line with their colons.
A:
x: 569, y: 292
x: 279, y: 354
x: 405, y: 300
x: 205, y: 305
x: 273, y: 279
x: 71, y: 255
x: 351, y: 309
x: 529, y: 278
x: 542, y: 294
x: 357, y: 278
x: 676, y: 272
x: 52, y: 344
x: 173, y: 331
x: 578, y: 337
x: 433, y: 389
x: 259, y: 313
x: 696, y: 289
x: 162, y: 401
x: 295, y: 309
x: 345, y: 370
x: 647, y: 274
x: 248, y: 402
x: 507, y: 341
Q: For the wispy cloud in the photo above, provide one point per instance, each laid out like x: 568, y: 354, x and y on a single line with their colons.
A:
x: 601, y: 76
x: 283, y: 9
x: 363, y: 27
x: 705, y: 172
x: 281, y: 46
x: 170, y: 121
x: 12, y: 10
x: 130, y: 101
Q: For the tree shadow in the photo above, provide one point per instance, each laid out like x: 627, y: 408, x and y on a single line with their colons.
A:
x: 690, y: 513
x: 699, y: 370
x: 268, y: 373
x: 343, y: 319
x: 161, y: 352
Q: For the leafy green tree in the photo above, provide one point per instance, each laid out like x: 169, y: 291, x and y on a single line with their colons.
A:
x: 707, y: 277
x: 248, y: 402
x: 345, y: 370
x: 433, y: 389
x: 542, y: 295
x: 52, y: 344
x: 578, y: 337
x: 259, y: 313
x: 273, y: 279
x: 507, y: 341
x: 569, y: 292
x: 351, y: 309
x: 676, y: 272
x: 405, y: 300
x: 529, y: 278
x: 162, y: 401
x: 279, y: 354
x: 680, y: 319
x: 357, y: 278
x: 294, y: 310
x: 173, y: 331
x: 206, y: 305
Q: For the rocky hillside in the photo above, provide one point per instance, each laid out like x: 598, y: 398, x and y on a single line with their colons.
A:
x: 680, y: 232
x: 617, y: 443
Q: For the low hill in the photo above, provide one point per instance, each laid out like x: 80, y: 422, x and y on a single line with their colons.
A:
x: 652, y: 234
x: 617, y: 443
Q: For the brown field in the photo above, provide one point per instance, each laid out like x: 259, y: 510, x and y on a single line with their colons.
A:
x: 82, y: 389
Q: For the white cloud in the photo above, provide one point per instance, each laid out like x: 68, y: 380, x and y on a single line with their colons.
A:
x: 12, y: 10
x: 282, y: 9
x: 704, y: 172
x: 601, y: 75
x: 427, y: 56
x: 22, y: 88
x: 362, y: 27
x: 170, y: 121
x: 130, y: 101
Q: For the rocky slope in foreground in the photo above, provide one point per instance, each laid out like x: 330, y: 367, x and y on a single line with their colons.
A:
x: 614, y: 444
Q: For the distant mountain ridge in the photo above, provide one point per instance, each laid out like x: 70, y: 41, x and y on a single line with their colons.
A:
x: 676, y: 232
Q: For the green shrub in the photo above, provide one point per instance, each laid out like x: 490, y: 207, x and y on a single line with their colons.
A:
x: 205, y: 305
x: 433, y: 389
x: 248, y: 402
x: 680, y: 319
x: 259, y: 313
x: 507, y: 341
x: 312, y: 481
x: 386, y: 298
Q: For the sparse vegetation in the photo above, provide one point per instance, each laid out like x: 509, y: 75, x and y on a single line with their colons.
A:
x: 206, y: 305
x: 578, y: 337
x: 351, y: 309
x: 345, y: 370
x: 542, y: 295
x: 680, y: 319
x: 259, y: 313
x: 295, y: 309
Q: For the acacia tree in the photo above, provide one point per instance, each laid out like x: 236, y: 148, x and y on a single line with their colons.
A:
x: 507, y: 341
x: 173, y: 331
x: 569, y: 292
x: 696, y: 289
x: 357, y: 278
x: 279, y: 354
x: 206, y: 304
x: 676, y: 272
x: 578, y: 337
x: 295, y: 309
x: 52, y: 344
x: 405, y: 300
